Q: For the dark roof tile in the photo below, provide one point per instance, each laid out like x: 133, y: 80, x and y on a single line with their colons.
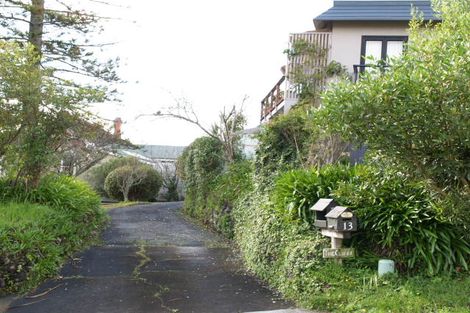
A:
x: 375, y: 11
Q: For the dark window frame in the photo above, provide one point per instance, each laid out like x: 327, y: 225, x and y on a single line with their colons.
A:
x: 384, y: 40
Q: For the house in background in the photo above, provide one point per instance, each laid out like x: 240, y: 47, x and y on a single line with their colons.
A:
x: 351, y: 31
x: 160, y: 157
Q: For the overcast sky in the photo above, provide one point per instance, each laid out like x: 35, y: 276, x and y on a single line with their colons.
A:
x: 211, y: 52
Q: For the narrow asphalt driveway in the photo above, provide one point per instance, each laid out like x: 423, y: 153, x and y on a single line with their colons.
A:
x: 152, y: 260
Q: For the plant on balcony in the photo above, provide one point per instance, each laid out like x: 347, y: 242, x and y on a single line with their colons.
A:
x: 304, y: 73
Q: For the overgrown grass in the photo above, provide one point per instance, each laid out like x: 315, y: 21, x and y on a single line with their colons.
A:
x: 21, y: 214
x: 348, y: 289
x: 36, y: 238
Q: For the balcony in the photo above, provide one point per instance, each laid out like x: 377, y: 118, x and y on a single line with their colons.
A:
x: 271, y: 104
x: 284, y: 94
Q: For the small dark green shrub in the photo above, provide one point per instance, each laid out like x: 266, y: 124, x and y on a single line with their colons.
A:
x: 143, y: 181
x: 171, y: 183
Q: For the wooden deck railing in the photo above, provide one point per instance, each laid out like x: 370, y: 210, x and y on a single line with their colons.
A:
x: 322, y: 41
x: 273, y: 99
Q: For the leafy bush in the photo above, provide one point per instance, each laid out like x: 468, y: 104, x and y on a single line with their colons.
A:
x: 417, y: 111
x: 61, y: 192
x: 199, y: 165
x: 229, y: 188
x: 99, y: 173
x: 46, y: 225
x: 282, y: 143
x: 144, y: 189
x: 402, y: 219
x: 297, y: 191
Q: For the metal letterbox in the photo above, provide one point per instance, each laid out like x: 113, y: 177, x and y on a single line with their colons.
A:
x: 321, y: 208
x: 341, y: 219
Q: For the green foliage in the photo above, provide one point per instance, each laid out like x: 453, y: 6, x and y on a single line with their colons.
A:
x: 399, y: 218
x: 229, y: 187
x: 171, y: 183
x: 287, y: 253
x: 38, y: 114
x: 145, y: 186
x: 306, y: 76
x: 276, y: 249
x: 99, y: 173
x: 282, y: 143
x: 61, y: 192
x: 212, y: 190
x: 297, y: 191
x: 402, y: 220
x: 336, y: 69
x: 417, y: 111
x: 199, y: 166
x: 42, y: 226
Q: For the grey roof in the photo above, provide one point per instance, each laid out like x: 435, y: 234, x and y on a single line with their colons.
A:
x: 323, y: 204
x: 398, y: 10
x: 156, y: 152
x: 337, y: 211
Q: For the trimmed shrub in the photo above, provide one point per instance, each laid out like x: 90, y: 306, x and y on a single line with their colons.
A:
x: 278, y: 250
x: 99, y: 173
x: 145, y: 186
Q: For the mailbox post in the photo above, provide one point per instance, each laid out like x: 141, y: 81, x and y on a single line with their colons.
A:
x: 336, y: 222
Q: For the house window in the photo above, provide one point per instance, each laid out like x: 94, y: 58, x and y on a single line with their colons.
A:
x: 381, y: 47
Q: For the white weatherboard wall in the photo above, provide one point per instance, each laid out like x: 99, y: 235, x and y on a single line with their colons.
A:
x: 347, y: 37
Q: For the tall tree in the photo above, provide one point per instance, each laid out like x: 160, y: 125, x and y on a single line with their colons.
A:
x: 60, y: 33
x: 61, y: 54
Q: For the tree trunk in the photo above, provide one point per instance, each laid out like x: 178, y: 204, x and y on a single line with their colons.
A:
x: 33, y: 166
x: 36, y: 24
x: 125, y: 193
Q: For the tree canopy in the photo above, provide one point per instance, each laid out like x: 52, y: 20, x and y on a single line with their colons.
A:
x: 49, y: 75
x: 417, y: 112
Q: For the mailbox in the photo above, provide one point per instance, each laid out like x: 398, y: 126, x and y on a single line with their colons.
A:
x: 321, y: 208
x: 341, y: 219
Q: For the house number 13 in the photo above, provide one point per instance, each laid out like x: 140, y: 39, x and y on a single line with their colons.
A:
x: 348, y: 226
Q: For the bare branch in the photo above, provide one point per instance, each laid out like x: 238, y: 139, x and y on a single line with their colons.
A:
x: 14, y: 18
